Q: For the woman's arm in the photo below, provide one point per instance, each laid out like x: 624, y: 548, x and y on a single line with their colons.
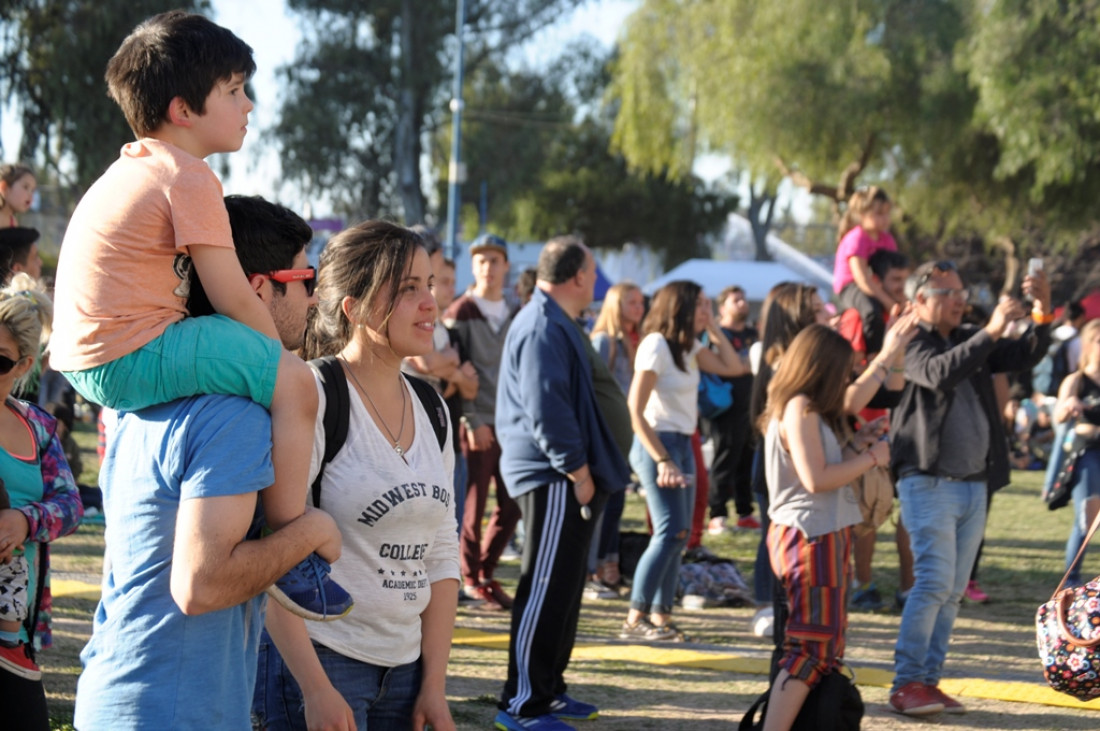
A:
x: 727, y: 361
x: 802, y: 430
x: 437, y: 623
x: 887, y: 368
x: 324, y: 706
x: 1068, y: 405
x: 641, y: 388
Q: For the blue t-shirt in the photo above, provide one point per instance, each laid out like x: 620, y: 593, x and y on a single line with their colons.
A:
x: 148, y: 665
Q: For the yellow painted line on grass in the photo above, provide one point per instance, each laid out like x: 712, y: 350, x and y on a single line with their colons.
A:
x: 76, y: 589
x: 1012, y: 691
x: 998, y: 690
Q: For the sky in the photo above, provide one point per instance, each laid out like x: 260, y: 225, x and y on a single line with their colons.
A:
x: 254, y: 169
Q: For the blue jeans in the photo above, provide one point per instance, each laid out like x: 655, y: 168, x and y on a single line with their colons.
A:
x: 1087, y: 486
x: 605, y: 539
x: 381, y: 699
x: 946, y: 520
x: 658, y: 572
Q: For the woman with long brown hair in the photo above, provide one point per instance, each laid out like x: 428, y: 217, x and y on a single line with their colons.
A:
x: 664, y: 412
x: 615, y: 337
x: 811, y: 458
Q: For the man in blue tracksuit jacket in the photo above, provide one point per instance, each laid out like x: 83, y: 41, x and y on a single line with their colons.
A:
x: 560, y: 460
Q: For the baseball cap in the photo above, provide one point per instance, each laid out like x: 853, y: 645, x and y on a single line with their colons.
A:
x: 489, y: 242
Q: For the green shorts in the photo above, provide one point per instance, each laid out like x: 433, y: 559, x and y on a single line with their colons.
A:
x: 197, y: 355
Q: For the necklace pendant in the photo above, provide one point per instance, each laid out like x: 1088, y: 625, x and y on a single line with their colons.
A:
x: 400, y: 452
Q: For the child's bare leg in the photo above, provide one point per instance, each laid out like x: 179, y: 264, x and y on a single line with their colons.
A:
x: 293, y: 413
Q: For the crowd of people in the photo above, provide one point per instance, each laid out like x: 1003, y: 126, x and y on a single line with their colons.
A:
x: 352, y: 488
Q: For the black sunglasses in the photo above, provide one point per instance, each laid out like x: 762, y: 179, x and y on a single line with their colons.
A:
x: 940, y: 267
x: 307, y: 277
x: 6, y: 364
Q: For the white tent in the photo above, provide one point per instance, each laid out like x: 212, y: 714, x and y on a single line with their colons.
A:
x: 755, y: 277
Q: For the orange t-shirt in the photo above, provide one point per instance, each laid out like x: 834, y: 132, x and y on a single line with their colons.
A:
x: 122, y: 273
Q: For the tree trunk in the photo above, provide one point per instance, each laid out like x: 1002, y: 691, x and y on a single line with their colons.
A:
x: 407, y: 137
x: 760, y: 221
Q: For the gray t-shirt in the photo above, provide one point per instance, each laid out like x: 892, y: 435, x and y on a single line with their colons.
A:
x: 964, y: 439
x: 791, y: 504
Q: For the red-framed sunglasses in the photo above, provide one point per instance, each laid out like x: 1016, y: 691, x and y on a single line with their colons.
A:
x: 307, y: 276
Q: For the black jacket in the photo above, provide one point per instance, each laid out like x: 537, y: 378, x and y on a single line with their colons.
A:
x: 934, y: 365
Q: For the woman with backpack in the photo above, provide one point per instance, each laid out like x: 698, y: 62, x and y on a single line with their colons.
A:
x: 389, y: 487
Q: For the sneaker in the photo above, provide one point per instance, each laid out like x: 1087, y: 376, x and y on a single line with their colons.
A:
x: 565, y: 707
x: 502, y: 597
x: 645, y: 630
x: 485, y: 594
x: 915, y: 699
x: 748, y: 522
x: 975, y: 594
x: 507, y: 722
x: 950, y: 705
x: 868, y: 599
x: 307, y: 591
x: 510, y: 552
x: 16, y: 660
x: 595, y: 589
x: 717, y: 526
x: 763, y: 622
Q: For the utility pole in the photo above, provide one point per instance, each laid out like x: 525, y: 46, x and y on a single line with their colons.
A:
x: 456, y: 170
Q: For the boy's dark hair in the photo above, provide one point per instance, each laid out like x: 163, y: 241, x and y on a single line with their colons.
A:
x: 1074, y: 310
x: 267, y: 237
x: 883, y: 260
x: 169, y: 55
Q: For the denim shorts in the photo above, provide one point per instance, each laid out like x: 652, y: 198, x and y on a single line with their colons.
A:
x: 197, y: 355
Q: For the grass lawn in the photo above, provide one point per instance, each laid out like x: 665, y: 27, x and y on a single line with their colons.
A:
x: 1020, y: 566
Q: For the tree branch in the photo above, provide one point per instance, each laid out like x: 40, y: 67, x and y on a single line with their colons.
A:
x: 802, y: 181
x: 848, y: 177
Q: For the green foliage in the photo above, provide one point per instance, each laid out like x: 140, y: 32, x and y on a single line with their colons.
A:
x: 978, y: 116
x: 540, y: 143
x: 367, y: 83
x: 54, y: 54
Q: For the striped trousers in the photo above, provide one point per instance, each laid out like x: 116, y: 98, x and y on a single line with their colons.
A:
x: 814, y: 573
x: 548, y: 599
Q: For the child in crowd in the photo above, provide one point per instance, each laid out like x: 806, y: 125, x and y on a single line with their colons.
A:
x: 121, y: 335
x: 863, y: 231
x: 17, y: 185
x: 811, y: 458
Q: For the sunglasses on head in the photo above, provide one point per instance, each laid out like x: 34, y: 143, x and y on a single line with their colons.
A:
x: 940, y: 267
x: 307, y: 277
x: 6, y: 364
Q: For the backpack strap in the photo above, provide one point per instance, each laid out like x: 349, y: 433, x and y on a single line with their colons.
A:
x: 337, y: 413
x: 433, y: 405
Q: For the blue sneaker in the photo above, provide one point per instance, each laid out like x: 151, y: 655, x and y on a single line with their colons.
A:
x: 307, y: 591
x: 507, y: 722
x: 868, y: 599
x: 565, y: 707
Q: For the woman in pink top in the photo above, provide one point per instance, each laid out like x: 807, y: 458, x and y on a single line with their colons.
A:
x: 864, y: 230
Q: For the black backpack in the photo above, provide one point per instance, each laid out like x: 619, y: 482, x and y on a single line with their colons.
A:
x: 834, y: 704
x: 338, y: 411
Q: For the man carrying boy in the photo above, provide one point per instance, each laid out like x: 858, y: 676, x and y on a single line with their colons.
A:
x: 175, y: 636
x: 481, y: 318
x: 120, y: 331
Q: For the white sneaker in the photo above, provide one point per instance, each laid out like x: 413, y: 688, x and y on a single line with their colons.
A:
x: 763, y: 622
x: 717, y: 526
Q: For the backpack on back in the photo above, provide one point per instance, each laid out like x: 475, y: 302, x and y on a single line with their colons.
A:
x: 338, y: 412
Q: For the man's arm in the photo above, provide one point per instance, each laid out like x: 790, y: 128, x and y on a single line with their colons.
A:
x: 943, y: 371
x: 214, y: 567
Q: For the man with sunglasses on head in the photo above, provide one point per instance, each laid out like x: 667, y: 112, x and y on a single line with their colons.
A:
x: 948, y: 447
x: 175, y: 638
